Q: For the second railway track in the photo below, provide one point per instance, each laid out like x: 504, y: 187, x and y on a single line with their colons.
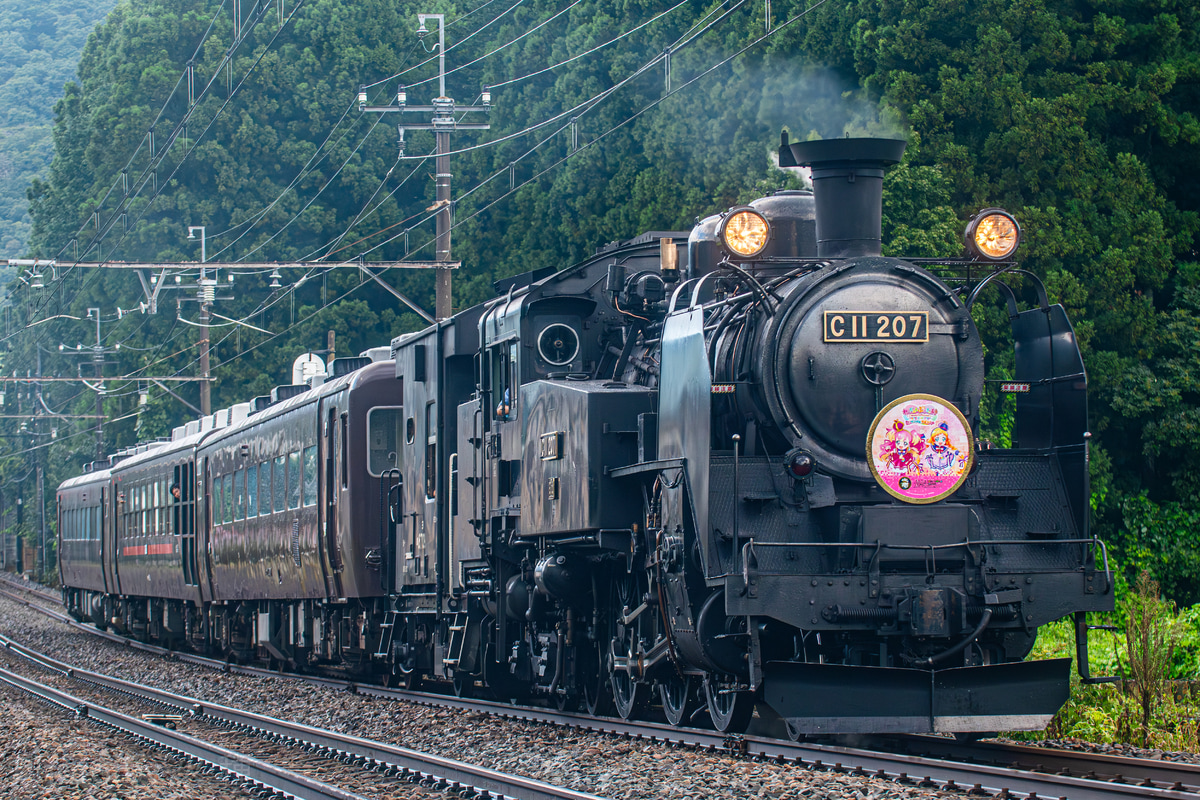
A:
x: 285, y: 757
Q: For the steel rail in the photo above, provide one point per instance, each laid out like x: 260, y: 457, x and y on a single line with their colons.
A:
x: 243, y: 766
x: 32, y: 588
x: 992, y: 779
x: 1180, y: 775
x: 457, y: 774
x: 905, y: 768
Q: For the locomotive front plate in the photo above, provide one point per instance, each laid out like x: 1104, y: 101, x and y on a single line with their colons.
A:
x: 876, y: 326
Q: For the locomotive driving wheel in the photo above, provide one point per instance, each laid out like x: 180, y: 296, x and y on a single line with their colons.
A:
x: 398, y: 678
x: 678, y: 697
x: 596, y: 696
x: 630, y: 695
x: 731, y: 710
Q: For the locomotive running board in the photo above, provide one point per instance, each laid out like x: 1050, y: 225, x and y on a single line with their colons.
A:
x: 832, y: 698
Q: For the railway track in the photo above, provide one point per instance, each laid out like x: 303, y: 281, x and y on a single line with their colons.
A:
x: 277, y: 755
x: 32, y: 589
x: 1002, y: 770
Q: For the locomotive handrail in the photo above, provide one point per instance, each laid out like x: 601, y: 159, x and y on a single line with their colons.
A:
x: 968, y: 543
x: 675, y: 294
x: 1040, y: 382
x: 1039, y: 287
x: 696, y: 291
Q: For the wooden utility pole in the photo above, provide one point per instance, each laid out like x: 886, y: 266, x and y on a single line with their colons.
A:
x: 442, y: 123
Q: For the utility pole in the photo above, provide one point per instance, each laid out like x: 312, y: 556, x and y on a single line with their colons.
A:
x: 206, y: 293
x: 98, y: 353
x: 41, y: 475
x: 442, y: 123
x: 98, y: 374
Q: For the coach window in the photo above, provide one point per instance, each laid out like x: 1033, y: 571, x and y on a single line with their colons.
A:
x: 310, y: 475
x: 279, y: 482
x: 293, y: 480
x: 239, y: 494
x: 227, y: 511
x: 383, y: 439
x: 218, y: 501
x: 252, y: 492
x: 264, y: 488
x: 344, y: 438
x: 160, y: 501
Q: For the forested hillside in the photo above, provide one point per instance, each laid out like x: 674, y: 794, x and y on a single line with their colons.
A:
x: 1079, y: 117
x: 39, y: 47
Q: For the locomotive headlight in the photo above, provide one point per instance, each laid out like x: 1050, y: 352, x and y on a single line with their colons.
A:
x: 993, y: 234
x: 745, y: 232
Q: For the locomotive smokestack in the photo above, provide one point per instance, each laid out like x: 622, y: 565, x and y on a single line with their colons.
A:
x: 847, y: 176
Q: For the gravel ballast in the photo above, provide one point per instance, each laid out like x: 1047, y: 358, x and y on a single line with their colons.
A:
x: 48, y: 753
x: 598, y: 763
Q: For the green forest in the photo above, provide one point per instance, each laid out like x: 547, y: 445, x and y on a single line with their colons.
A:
x: 608, y: 119
x: 39, y: 48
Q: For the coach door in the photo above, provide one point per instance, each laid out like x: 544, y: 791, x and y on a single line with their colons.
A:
x: 332, y: 443
x: 117, y: 521
x: 183, y: 519
x: 108, y: 548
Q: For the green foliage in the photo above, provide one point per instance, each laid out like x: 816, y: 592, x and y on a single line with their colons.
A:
x: 1155, y: 651
x: 39, y: 46
x: 1161, y: 539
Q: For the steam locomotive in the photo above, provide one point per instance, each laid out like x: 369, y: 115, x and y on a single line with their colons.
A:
x: 697, y: 474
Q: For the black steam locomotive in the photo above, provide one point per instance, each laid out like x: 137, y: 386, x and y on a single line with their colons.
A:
x: 726, y: 469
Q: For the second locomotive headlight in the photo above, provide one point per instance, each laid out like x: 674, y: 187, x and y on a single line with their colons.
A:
x: 993, y: 235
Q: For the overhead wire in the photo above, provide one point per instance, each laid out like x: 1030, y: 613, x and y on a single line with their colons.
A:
x: 307, y: 167
x: 598, y: 98
x: 641, y: 70
x: 172, y: 136
x: 452, y: 47
x: 588, y: 52
x: 675, y: 90
x: 182, y: 126
x: 162, y: 153
x: 501, y: 48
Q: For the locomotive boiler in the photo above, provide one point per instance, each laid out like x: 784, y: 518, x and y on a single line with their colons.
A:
x: 697, y: 475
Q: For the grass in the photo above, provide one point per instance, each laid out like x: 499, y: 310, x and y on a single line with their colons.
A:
x: 1155, y: 652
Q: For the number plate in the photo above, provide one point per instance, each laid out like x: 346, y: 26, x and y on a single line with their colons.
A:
x: 876, y: 326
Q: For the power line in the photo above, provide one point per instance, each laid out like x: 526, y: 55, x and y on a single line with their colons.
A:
x: 180, y: 127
